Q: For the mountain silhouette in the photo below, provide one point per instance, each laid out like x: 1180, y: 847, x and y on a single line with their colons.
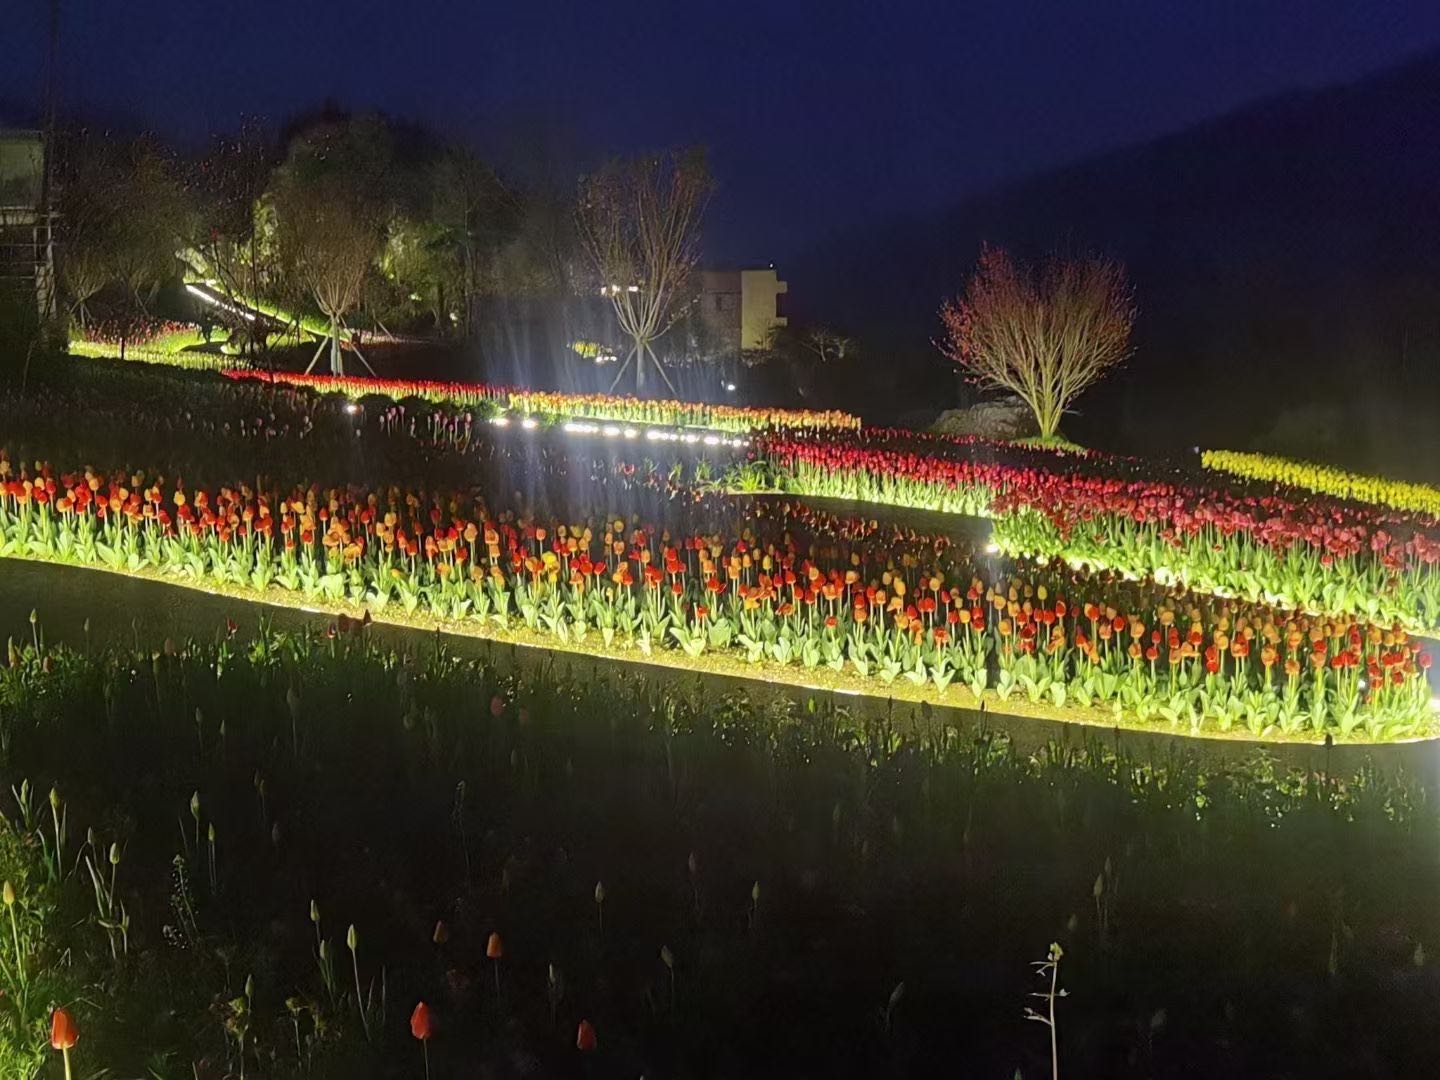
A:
x: 1286, y: 262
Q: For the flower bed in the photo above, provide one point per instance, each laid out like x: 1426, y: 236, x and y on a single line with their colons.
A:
x: 1315, y: 554
x: 1357, y: 487
x: 582, y: 406
x: 153, y: 341
x: 1048, y: 636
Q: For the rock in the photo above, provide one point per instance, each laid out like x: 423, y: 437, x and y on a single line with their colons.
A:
x: 1001, y: 418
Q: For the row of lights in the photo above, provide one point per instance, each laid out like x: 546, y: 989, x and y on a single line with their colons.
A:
x: 616, y: 431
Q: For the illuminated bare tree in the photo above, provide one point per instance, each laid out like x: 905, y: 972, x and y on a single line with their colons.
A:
x: 1044, y: 333
x: 639, y: 220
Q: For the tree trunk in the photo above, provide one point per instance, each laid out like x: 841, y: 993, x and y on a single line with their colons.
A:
x: 337, y: 365
x: 640, y: 349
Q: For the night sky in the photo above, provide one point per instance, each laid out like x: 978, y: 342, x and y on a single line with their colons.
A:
x: 818, y: 114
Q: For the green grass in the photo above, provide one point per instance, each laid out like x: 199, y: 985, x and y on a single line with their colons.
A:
x: 1052, y: 442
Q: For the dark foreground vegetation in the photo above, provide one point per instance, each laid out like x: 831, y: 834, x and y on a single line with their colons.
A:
x: 258, y: 856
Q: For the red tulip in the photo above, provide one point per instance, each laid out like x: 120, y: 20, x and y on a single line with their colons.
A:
x: 421, y: 1025
x: 585, y: 1040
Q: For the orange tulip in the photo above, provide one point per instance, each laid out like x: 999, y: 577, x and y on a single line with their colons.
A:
x: 585, y: 1040
x: 495, y: 949
x: 63, y: 1033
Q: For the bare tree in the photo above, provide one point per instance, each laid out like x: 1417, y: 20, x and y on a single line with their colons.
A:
x: 827, y: 345
x: 1044, y: 333
x: 639, y: 220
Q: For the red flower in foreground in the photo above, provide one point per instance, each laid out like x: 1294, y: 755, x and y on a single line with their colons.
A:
x: 421, y: 1025
x: 63, y: 1032
x: 585, y: 1039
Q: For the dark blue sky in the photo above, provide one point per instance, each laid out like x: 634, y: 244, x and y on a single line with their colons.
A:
x: 819, y: 113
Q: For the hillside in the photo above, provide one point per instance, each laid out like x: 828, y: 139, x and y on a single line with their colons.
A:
x: 1285, y: 253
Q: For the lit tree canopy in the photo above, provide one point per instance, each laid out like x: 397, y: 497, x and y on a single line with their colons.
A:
x: 331, y: 204
x: 1043, y: 333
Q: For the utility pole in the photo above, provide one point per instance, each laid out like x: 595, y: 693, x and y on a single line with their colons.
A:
x: 45, y: 264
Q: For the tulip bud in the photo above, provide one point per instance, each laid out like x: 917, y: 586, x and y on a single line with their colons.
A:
x: 54, y: 800
x: 599, y: 892
x: 352, y: 939
x: 755, y: 893
x: 7, y: 892
x: 585, y: 1040
x: 314, y: 913
x: 441, y: 934
x: 195, y: 806
x: 114, y: 854
x: 667, y: 957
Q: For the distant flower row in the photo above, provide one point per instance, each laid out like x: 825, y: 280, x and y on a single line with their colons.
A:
x: 1311, y: 554
x: 760, y: 596
x: 585, y: 406
x: 136, y: 331
x: 154, y: 341
x: 1398, y: 494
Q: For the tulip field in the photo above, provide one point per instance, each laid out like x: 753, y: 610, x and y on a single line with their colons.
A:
x: 758, y: 597
x: 1108, y: 590
x: 544, y: 847
x: 1421, y: 499
x: 533, y: 403
x: 1282, y: 546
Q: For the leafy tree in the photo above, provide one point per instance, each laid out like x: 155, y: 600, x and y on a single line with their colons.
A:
x: 231, y: 245
x: 90, y: 178
x: 331, y: 201
x: 123, y: 214
x: 639, y: 220
x: 152, y: 219
x: 1044, y: 333
x: 475, y: 216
